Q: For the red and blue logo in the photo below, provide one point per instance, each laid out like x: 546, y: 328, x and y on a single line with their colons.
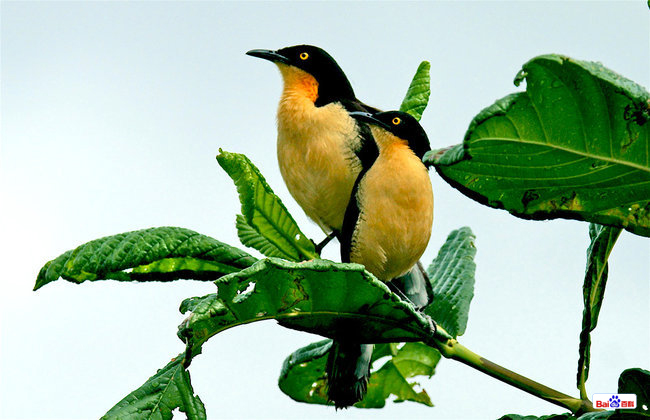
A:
x: 614, y: 401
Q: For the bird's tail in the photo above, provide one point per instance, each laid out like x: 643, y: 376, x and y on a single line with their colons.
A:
x: 415, y: 286
x: 348, y: 371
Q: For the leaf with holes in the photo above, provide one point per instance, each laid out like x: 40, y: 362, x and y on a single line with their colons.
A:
x: 636, y: 381
x: 264, y: 212
x: 575, y: 144
x: 158, y: 254
x: 303, y: 374
x: 452, y: 281
x: 417, y: 95
x: 321, y: 297
x: 170, y: 388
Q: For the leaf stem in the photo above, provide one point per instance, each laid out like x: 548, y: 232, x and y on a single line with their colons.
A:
x: 452, y: 349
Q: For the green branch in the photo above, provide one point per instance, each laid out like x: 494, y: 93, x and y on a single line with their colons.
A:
x: 452, y: 349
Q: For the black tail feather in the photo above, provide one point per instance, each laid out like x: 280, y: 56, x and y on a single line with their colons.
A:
x: 348, y: 371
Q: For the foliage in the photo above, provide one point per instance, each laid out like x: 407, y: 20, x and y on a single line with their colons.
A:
x: 573, y: 145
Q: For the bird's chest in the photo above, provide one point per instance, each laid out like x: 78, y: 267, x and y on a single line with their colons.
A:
x: 316, y: 158
x: 396, y: 203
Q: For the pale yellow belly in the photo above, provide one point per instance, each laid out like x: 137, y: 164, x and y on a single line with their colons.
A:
x: 396, y: 203
x: 316, y: 159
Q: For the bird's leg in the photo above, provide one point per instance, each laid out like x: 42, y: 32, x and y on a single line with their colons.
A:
x: 327, y: 240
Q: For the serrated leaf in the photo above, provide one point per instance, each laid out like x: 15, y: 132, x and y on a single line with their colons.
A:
x: 264, y: 212
x: 320, y: 297
x: 636, y: 381
x: 575, y: 145
x: 155, y: 254
x: 603, y: 239
x: 452, y: 280
x: 252, y: 238
x: 170, y: 388
x: 303, y: 374
x: 417, y: 95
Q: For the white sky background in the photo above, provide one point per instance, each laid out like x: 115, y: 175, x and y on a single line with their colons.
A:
x: 112, y: 114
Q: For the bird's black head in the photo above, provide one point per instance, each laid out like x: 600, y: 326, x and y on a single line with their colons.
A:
x: 401, y: 125
x: 333, y: 85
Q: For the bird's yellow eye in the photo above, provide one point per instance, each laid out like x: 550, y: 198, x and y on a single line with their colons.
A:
x: 304, y: 56
x: 396, y: 121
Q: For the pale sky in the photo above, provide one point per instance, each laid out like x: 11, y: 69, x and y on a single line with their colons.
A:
x: 113, y: 112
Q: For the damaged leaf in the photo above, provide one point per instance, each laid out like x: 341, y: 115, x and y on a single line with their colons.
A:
x: 574, y: 145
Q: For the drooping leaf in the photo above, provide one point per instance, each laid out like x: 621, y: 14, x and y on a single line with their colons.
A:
x: 603, y: 239
x: 170, y: 388
x: 636, y: 381
x: 411, y: 360
x: 575, y: 145
x: 159, y: 254
x: 320, y: 297
x: 417, y: 95
x: 264, y: 212
x: 452, y: 279
x: 252, y: 238
x: 303, y: 374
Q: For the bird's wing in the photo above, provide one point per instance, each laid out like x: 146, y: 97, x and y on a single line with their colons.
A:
x: 367, y: 154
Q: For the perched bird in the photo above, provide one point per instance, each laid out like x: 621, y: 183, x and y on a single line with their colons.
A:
x: 318, y: 141
x: 386, y: 228
x: 321, y: 151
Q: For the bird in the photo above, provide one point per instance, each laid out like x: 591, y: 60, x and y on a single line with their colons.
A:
x: 321, y: 151
x: 318, y: 142
x: 386, y: 227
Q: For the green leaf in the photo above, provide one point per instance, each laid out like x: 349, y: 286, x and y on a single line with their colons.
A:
x: 158, y: 254
x: 303, y: 374
x: 452, y: 280
x: 575, y: 145
x: 564, y: 416
x: 636, y: 381
x: 251, y: 238
x: 417, y: 95
x: 413, y: 359
x: 321, y: 297
x: 603, y: 239
x: 264, y: 212
x: 160, y: 395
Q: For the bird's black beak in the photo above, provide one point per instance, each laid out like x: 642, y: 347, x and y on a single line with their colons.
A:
x: 369, y: 118
x: 269, y: 55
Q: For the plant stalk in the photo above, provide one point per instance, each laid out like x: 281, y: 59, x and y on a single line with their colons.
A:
x: 452, y: 349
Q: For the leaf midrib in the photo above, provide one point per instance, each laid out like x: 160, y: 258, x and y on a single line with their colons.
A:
x: 566, y: 149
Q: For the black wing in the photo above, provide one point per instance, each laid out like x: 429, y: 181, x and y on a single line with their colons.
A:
x: 367, y: 154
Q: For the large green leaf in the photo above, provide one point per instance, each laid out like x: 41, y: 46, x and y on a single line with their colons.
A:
x: 264, y: 212
x: 575, y: 145
x: 417, y: 95
x: 603, y: 239
x: 452, y: 280
x: 303, y: 374
x: 160, y: 395
x: 160, y: 254
x: 320, y: 297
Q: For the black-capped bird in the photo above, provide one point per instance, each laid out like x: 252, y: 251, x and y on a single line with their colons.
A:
x: 318, y: 141
x: 321, y: 150
x: 386, y: 228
